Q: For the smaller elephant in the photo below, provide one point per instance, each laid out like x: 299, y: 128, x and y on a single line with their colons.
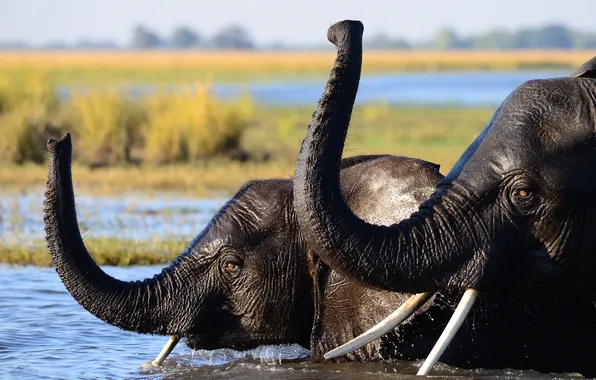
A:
x: 246, y: 280
x: 249, y: 278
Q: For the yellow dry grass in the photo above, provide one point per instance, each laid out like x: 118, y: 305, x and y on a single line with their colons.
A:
x: 172, y: 66
x: 294, y: 59
x: 438, y: 134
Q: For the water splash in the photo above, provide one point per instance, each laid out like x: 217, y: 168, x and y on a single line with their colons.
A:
x: 271, y: 355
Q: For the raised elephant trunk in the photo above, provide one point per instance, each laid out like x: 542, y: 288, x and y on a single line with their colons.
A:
x: 414, y: 256
x: 142, y: 306
x: 430, y: 250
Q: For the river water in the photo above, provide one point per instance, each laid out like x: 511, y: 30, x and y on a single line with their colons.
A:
x: 130, y: 217
x: 44, y: 333
x: 443, y: 88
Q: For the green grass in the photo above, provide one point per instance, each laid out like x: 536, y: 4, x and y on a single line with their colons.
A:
x: 104, y: 251
x: 438, y: 134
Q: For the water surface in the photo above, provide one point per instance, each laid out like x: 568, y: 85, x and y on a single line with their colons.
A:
x: 130, y: 217
x: 44, y: 333
x: 444, y: 88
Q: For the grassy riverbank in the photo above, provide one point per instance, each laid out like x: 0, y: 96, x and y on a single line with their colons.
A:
x: 272, y: 141
x: 104, y: 251
x: 109, y: 68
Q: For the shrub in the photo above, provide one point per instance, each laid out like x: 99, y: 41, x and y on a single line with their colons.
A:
x: 107, y: 125
x: 25, y: 130
x: 34, y: 89
x: 110, y: 129
x: 26, y: 107
x: 193, y: 124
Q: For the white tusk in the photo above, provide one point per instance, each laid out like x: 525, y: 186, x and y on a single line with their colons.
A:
x: 166, y: 350
x: 398, y: 316
x: 458, y: 317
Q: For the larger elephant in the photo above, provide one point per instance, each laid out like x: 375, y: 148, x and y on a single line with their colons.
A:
x: 514, y: 218
x: 249, y: 279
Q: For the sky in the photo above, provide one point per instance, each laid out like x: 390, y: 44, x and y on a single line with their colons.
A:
x: 299, y: 22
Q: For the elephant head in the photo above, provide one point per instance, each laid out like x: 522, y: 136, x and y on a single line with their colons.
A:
x: 232, y: 287
x: 246, y: 279
x: 514, y: 216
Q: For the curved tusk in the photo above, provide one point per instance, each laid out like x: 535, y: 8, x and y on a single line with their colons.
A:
x: 166, y: 350
x: 458, y: 317
x: 398, y: 316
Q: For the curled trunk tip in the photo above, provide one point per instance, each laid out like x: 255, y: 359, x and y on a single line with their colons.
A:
x: 62, y: 145
x: 341, y: 31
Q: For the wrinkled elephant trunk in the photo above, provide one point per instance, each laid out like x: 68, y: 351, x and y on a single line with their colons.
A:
x: 140, y: 306
x: 439, y: 246
x: 419, y: 254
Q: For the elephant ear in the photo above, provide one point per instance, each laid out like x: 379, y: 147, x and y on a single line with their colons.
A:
x: 587, y: 70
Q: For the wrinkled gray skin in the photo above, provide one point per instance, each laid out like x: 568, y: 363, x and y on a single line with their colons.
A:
x: 514, y: 218
x: 245, y: 280
x: 278, y: 292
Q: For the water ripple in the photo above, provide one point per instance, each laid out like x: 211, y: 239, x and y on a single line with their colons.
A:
x: 134, y: 217
x: 45, y: 333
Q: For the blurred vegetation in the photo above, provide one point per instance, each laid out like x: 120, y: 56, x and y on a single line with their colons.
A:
x: 234, y: 36
x: 106, y: 124
x: 192, y: 142
x: 550, y: 36
x: 113, y: 130
x: 190, y: 125
x: 26, y: 106
x: 107, y: 68
x: 118, y: 252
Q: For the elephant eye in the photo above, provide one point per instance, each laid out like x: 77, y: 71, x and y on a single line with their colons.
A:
x: 232, y: 267
x: 524, y: 199
x: 523, y: 193
x: 231, y: 261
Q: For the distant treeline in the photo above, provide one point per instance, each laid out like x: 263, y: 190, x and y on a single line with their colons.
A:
x: 552, y: 36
